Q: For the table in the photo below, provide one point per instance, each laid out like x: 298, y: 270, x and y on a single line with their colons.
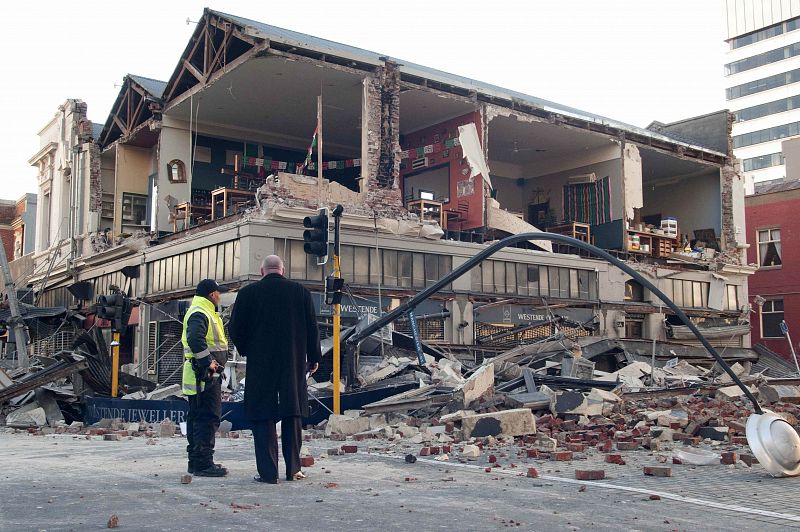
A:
x: 577, y: 230
x: 191, y: 213
x: 225, y: 201
x: 428, y: 211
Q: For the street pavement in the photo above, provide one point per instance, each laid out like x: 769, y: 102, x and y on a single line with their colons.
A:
x: 68, y: 482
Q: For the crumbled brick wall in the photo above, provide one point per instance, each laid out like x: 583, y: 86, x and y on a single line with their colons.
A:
x: 95, y: 178
x: 730, y: 172
x: 383, y: 144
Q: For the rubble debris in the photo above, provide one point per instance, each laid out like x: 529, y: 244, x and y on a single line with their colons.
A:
x: 516, y: 422
x: 30, y: 415
x: 658, y: 471
x: 779, y: 393
x: 113, y: 521
x: 186, y: 478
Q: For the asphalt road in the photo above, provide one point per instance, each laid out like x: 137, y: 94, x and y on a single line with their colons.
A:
x: 66, y: 482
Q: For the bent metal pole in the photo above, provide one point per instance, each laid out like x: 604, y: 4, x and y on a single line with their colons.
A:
x: 522, y: 237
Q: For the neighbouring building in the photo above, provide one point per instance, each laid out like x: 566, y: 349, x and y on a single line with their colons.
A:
x: 18, y: 226
x: 206, y: 173
x: 774, y: 238
x: 762, y: 71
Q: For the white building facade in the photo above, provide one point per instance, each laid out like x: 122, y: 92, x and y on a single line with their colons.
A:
x: 762, y: 72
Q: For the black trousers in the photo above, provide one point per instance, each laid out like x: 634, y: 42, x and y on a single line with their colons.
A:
x: 202, y: 423
x: 265, y: 438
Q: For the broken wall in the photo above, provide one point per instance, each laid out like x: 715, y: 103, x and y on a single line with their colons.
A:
x: 133, y: 168
x: 463, y: 190
x: 174, y: 143
x: 694, y: 201
x: 380, y: 151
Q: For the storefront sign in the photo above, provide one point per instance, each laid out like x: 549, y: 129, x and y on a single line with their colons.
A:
x: 522, y: 314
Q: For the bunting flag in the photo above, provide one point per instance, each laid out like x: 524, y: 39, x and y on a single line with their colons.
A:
x: 307, y: 161
x: 283, y: 165
x: 430, y: 148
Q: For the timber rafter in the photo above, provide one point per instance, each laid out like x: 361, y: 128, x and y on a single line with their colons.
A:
x: 134, y: 105
x: 215, y: 43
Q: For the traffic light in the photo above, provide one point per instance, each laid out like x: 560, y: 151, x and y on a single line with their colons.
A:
x: 316, y: 236
x: 115, y: 308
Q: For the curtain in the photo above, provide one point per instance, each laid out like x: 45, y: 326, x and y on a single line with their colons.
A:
x: 588, y: 202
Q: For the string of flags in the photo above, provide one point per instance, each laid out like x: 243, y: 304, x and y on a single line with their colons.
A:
x: 430, y: 148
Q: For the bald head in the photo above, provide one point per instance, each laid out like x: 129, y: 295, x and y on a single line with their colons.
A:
x: 272, y: 264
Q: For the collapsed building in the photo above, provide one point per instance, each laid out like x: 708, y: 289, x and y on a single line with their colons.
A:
x: 208, y: 172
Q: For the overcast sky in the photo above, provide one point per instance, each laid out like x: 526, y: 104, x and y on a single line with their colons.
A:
x: 631, y: 60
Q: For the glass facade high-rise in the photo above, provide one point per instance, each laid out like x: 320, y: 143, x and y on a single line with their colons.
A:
x: 762, y: 73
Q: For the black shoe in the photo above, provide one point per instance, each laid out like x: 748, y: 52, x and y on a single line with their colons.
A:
x: 258, y: 478
x: 215, y: 470
x: 191, y: 468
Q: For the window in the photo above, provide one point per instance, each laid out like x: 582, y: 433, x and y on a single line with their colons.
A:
x: 762, y: 161
x: 691, y: 294
x: 176, y: 171
x: 634, y: 292
x: 766, y: 33
x: 134, y: 209
x: 763, y: 84
x: 731, y: 297
x: 769, y: 108
x: 766, y: 135
x: 771, y: 318
x: 755, y: 61
x: 769, y: 248
x: 502, y: 277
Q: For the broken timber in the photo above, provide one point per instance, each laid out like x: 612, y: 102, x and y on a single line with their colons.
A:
x: 69, y: 363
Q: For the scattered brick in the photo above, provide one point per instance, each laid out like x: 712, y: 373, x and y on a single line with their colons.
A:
x: 614, y: 459
x: 561, y: 456
x: 532, y: 453
x: 350, y: 448
x: 590, y: 474
x: 533, y: 472
x: 112, y: 437
x: 425, y: 451
x: 655, y: 498
x: 492, y: 459
x: 186, y: 479
x: 306, y: 461
x: 728, y: 458
x: 748, y: 459
x: 658, y: 471
x: 627, y: 445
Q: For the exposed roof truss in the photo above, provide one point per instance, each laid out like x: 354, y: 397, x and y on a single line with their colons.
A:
x: 134, y: 105
x: 215, y: 43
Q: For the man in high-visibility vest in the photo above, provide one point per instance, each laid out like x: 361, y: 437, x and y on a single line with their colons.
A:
x: 205, y: 349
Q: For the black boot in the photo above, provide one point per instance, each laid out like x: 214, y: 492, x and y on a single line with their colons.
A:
x: 215, y: 470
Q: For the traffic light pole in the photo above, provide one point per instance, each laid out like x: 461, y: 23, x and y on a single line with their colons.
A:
x: 337, y: 317
x: 17, y: 331
x: 114, y: 362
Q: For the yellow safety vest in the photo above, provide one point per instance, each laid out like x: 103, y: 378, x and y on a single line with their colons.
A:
x: 215, y: 341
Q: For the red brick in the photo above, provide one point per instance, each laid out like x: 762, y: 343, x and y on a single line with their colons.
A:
x: 576, y: 447
x: 656, y: 471
x: 533, y: 472
x: 532, y: 453
x: 590, y: 474
x: 739, y: 440
x: 306, y: 461
x: 435, y: 450
x: 728, y: 458
x: 425, y: 451
x: 748, y: 459
x: 628, y: 445
x: 561, y: 456
x: 607, y: 446
x: 488, y: 469
x: 614, y: 459
x: 446, y: 448
x: 449, y: 427
x: 677, y: 461
x: 350, y: 448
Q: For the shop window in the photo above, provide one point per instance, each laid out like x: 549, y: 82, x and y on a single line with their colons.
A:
x: 176, y: 171
x: 769, y: 247
x: 771, y: 318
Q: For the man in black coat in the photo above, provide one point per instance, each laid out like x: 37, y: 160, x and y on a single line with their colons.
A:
x: 274, y: 325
